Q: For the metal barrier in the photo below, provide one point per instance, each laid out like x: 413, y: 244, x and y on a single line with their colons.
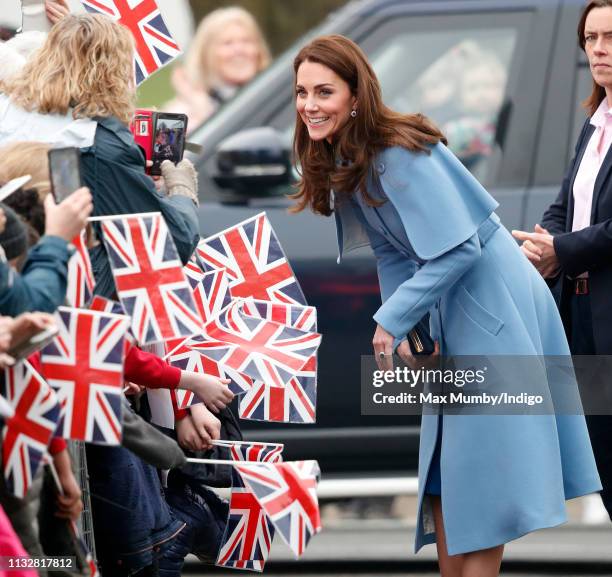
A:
x: 85, y: 522
x: 367, y: 487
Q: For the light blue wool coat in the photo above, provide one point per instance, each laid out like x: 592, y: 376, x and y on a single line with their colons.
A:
x: 440, y: 248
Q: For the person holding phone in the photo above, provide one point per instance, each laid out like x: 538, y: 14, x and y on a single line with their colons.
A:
x: 442, y: 250
x: 78, y: 90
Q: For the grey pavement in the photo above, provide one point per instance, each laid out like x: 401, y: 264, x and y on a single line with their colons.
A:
x: 380, y: 547
x: 393, y: 541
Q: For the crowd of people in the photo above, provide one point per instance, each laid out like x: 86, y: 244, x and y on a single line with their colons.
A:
x: 74, y: 87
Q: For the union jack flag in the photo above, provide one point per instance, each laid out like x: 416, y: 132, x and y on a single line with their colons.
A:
x: 296, y: 316
x: 80, y: 274
x: 210, y: 289
x: 105, y: 305
x: 248, y: 534
x: 261, y: 349
x: 212, y: 294
x: 287, y: 493
x: 239, y: 382
x: 149, y: 278
x: 27, y: 433
x: 253, y: 451
x: 155, y: 46
x: 84, y: 364
x: 294, y: 402
x: 254, y: 260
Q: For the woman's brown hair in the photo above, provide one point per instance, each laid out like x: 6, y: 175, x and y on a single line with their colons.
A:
x: 591, y: 104
x: 376, y: 126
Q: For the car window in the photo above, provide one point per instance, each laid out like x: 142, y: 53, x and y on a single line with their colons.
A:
x: 584, y: 85
x: 459, y: 80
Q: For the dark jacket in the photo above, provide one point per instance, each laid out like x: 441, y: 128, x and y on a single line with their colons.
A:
x: 41, y: 286
x: 588, y: 250
x: 113, y: 169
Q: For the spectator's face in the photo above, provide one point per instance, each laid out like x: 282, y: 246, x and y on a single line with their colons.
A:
x: 236, y: 53
x: 598, y: 45
x: 324, y: 100
x: 483, y: 91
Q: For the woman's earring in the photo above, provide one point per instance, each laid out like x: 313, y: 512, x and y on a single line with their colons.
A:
x: 353, y: 113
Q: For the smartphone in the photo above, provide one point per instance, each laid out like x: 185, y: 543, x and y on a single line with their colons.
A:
x: 23, y: 345
x: 65, y: 171
x: 168, y: 139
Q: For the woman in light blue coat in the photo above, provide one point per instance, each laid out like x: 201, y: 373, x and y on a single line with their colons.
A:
x: 441, y: 249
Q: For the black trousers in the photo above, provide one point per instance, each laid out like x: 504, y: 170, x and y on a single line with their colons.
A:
x: 600, y: 426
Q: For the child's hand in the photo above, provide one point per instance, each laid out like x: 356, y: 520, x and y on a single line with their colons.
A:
x: 187, y: 435
x: 130, y: 389
x: 212, y: 390
x: 69, y: 503
x: 206, y: 424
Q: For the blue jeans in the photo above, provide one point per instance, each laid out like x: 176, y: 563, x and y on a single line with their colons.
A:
x: 131, y: 518
x: 205, y: 515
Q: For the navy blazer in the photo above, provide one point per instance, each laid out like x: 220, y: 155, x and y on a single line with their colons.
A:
x: 588, y: 250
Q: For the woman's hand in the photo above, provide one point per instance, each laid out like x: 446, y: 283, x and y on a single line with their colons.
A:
x: 212, y: 390
x: 383, y: 343
x: 417, y: 361
x: 539, y: 248
x: 68, y: 218
x: 181, y: 178
x: 205, y: 423
x: 160, y: 184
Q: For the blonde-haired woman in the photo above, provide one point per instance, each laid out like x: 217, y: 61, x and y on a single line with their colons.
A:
x: 79, y: 90
x: 228, y: 51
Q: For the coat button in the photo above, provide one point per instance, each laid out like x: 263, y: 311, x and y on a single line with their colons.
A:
x: 381, y: 167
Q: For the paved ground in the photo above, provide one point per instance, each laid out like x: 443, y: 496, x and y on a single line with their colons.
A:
x: 385, y: 548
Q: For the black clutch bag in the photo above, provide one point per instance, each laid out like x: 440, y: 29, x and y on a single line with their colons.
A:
x: 420, y: 340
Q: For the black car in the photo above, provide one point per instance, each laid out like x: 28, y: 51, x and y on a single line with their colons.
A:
x: 502, y: 78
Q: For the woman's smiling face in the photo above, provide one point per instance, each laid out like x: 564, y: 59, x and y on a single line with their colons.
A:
x: 323, y: 100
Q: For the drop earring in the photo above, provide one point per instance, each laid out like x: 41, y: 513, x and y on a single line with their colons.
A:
x: 353, y: 113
